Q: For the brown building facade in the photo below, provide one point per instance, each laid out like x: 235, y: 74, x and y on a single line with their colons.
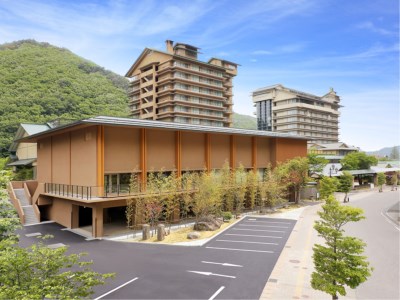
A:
x: 175, y: 86
x: 84, y: 168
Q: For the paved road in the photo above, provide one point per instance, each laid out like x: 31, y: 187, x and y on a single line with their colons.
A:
x: 233, y: 265
x: 383, y: 245
x: 291, y: 276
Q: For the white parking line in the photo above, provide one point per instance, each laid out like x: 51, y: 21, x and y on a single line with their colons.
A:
x: 217, y: 293
x: 246, y: 250
x: 267, y: 236
x: 258, y: 230
x: 246, y: 242
x: 263, y: 226
x: 268, y: 222
x: 55, y: 246
x: 33, y: 234
x: 117, y: 288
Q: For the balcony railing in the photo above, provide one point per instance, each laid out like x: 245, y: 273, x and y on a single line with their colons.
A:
x: 73, y: 191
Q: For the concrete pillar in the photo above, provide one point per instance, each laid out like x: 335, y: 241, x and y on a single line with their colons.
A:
x: 160, y: 232
x: 97, y: 221
x: 146, y: 231
x: 75, y: 216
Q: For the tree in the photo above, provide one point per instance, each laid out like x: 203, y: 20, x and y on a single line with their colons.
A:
x: 272, y: 188
x: 251, y: 192
x: 38, y: 272
x: 228, y: 186
x: 170, y: 200
x: 9, y: 220
x: 294, y: 173
x: 394, y: 153
x: 345, y: 184
x: 131, y: 203
x: 394, y: 180
x: 381, y: 178
x: 207, y: 199
x: 339, y: 263
x: 240, y: 188
x: 188, y: 188
x: 316, y: 164
x: 358, y: 161
x: 327, y: 186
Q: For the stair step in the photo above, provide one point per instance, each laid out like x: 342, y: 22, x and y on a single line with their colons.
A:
x: 20, y: 194
x: 30, y: 216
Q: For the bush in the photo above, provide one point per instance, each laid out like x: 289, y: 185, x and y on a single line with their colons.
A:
x: 226, y: 216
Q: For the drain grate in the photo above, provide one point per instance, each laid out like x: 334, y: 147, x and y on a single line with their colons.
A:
x: 273, y: 280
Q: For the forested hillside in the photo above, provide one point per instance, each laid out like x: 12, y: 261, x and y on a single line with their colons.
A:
x: 244, y: 121
x: 40, y: 82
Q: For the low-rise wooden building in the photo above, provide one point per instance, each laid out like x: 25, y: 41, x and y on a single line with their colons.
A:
x: 83, y: 168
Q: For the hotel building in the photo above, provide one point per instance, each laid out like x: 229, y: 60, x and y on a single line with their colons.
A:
x: 282, y: 109
x: 175, y: 86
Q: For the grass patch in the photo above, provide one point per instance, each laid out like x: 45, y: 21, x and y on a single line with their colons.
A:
x: 180, y: 235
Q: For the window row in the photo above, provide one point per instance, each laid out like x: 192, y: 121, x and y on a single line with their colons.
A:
x: 198, y: 68
x: 198, y: 79
x: 198, y: 100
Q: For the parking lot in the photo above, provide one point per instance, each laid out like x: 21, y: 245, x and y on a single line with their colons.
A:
x: 235, y: 264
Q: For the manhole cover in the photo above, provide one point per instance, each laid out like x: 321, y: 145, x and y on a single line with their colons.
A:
x: 294, y: 261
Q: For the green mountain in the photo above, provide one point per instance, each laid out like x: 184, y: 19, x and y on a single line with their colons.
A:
x: 244, y: 121
x: 391, y: 152
x: 40, y: 82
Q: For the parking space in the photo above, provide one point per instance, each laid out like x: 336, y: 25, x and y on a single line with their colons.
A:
x: 254, y: 244
x: 235, y: 264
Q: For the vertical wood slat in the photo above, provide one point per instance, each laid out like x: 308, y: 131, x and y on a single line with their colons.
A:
x: 254, y: 153
x: 100, y: 159
x: 232, y: 152
x: 178, y: 153
x: 208, y: 151
x: 143, y: 157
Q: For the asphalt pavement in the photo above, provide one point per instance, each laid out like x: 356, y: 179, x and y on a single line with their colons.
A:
x: 258, y: 257
x: 233, y: 265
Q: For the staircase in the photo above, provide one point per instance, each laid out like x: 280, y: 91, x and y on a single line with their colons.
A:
x: 30, y: 217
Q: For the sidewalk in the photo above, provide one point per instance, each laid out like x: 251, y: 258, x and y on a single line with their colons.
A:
x: 291, y: 276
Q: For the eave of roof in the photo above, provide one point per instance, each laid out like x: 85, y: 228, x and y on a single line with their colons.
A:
x: 114, y: 121
x: 144, y: 52
x: 22, y: 162
x: 224, y: 60
x: 29, y: 129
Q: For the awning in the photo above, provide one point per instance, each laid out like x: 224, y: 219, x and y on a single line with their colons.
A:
x: 22, y: 162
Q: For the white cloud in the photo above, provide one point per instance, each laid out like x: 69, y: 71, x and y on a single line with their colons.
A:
x: 283, y: 49
x: 262, y: 52
x: 373, y: 28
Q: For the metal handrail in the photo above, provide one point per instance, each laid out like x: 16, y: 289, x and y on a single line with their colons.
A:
x: 66, y: 190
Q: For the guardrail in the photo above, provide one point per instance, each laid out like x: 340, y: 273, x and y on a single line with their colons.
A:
x: 65, y: 190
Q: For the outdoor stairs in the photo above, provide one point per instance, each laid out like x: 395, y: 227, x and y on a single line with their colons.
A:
x: 30, y: 217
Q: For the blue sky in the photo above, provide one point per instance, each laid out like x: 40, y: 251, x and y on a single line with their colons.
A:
x: 309, y: 45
